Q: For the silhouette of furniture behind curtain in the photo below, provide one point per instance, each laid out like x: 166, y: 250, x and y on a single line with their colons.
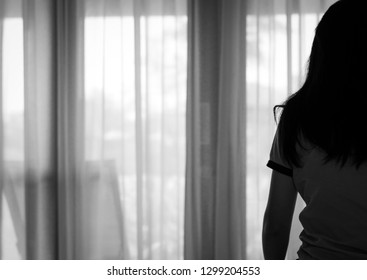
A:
x: 101, y: 208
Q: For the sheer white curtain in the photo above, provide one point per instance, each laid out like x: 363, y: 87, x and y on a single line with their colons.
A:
x: 245, y: 57
x: 135, y: 96
x: 93, y: 97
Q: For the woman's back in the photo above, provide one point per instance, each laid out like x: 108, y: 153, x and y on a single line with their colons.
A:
x: 320, y: 148
x: 335, y: 216
x: 334, y: 219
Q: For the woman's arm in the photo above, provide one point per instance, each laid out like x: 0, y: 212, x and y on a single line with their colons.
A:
x: 278, y: 216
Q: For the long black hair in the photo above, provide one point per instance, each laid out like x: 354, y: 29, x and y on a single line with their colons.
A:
x: 330, y: 109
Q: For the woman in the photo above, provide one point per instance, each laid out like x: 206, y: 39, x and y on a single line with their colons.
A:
x: 320, y: 148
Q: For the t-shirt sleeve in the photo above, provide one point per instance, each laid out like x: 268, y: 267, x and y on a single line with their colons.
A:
x: 276, y: 161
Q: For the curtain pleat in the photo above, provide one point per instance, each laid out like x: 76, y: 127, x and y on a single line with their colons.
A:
x: 138, y: 128
x: 230, y: 214
x: 215, y: 180
x: 163, y: 188
x: 179, y: 163
x: 202, y: 104
x: 70, y: 130
x: 40, y: 129
x: 146, y: 29
x: 2, y: 173
x: 124, y: 247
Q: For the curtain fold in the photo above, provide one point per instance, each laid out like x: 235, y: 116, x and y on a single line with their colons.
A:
x: 53, y: 117
x: 215, y: 180
x: 202, y: 100
x: 40, y: 130
x: 138, y: 12
x: 70, y: 128
x: 230, y: 208
x: 2, y: 173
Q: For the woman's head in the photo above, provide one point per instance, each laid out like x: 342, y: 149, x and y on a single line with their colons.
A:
x: 339, y: 49
x: 329, y: 109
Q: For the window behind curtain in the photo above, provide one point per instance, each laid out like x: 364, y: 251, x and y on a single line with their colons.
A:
x: 135, y: 105
x: 134, y: 128
x: 12, y: 220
